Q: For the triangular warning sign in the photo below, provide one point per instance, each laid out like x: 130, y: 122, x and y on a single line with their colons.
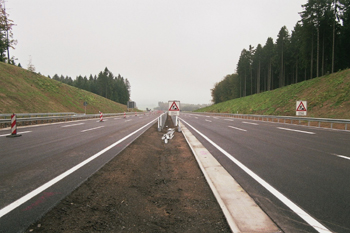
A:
x: 174, y: 107
x: 301, y: 107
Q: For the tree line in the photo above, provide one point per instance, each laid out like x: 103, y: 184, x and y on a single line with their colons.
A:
x: 105, y: 84
x: 319, y: 44
x: 6, y: 35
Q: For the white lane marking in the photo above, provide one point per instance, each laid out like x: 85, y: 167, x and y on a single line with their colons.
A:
x: 117, y: 118
x: 128, y: 120
x: 207, y: 120
x: 4, y: 135
x: 196, y: 117
x: 342, y: 156
x: 207, y: 116
x: 45, y: 186
x: 215, y: 117
x: 294, y: 130
x: 308, y: 218
x: 91, y: 129
x: 237, y: 128
x: 72, y: 125
x: 228, y: 120
x: 251, y: 123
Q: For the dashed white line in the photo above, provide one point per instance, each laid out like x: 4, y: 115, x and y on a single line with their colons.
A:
x: 251, y: 123
x: 207, y: 120
x: 91, y: 129
x: 237, y: 128
x: 294, y: 130
x: 72, y: 125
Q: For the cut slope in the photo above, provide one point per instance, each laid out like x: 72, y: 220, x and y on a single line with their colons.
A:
x: 22, y: 91
x: 327, y: 97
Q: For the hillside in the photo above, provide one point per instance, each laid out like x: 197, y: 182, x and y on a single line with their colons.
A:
x: 22, y: 91
x: 327, y: 97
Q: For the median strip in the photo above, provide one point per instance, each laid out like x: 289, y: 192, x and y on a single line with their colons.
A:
x: 241, y: 212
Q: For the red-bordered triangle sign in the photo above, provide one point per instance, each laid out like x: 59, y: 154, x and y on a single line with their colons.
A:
x: 174, y: 107
x: 301, y: 107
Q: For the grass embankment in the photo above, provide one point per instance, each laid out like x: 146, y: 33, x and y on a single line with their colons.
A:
x: 22, y: 91
x: 327, y: 97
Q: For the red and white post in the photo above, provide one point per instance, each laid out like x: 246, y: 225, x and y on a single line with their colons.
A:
x: 101, y: 116
x: 14, y: 126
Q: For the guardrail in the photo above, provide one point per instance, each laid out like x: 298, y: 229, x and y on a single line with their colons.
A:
x: 309, y: 121
x: 37, y: 118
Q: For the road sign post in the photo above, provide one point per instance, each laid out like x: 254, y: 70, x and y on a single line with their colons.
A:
x: 174, y: 107
x: 301, y: 108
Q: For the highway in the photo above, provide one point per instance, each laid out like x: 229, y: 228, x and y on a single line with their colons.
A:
x: 48, y: 162
x: 298, y: 175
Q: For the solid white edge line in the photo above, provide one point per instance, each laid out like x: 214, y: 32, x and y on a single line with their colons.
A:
x: 40, y: 189
x: 237, y: 128
x: 91, y: 129
x: 295, y: 130
x: 310, y: 220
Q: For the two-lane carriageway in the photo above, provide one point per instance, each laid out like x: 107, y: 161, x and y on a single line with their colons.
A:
x: 300, y: 176
x: 48, y: 162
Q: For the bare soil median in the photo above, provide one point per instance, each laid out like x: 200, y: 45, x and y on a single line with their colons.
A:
x: 149, y: 187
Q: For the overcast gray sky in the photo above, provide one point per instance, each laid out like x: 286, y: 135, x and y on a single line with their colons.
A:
x: 167, y: 49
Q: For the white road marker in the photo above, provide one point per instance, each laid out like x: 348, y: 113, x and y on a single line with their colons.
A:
x: 45, y: 186
x: 91, y: 129
x: 342, y: 156
x: 308, y: 218
x: 72, y: 125
x: 250, y: 123
x: 207, y: 120
x: 237, y: 128
x: 295, y: 130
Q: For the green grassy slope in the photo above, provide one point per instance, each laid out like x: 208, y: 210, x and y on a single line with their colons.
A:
x: 327, y: 97
x: 22, y: 91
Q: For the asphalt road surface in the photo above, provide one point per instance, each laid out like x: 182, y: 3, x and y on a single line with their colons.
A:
x: 48, y: 162
x: 298, y: 175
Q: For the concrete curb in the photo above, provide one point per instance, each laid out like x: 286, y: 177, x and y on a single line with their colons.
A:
x: 240, y: 210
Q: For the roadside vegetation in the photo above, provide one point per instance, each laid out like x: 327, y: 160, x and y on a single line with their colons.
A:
x: 318, y: 45
x: 327, y: 97
x: 23, y: 91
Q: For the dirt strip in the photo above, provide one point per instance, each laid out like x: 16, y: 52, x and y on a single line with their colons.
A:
x: 149, y: 187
